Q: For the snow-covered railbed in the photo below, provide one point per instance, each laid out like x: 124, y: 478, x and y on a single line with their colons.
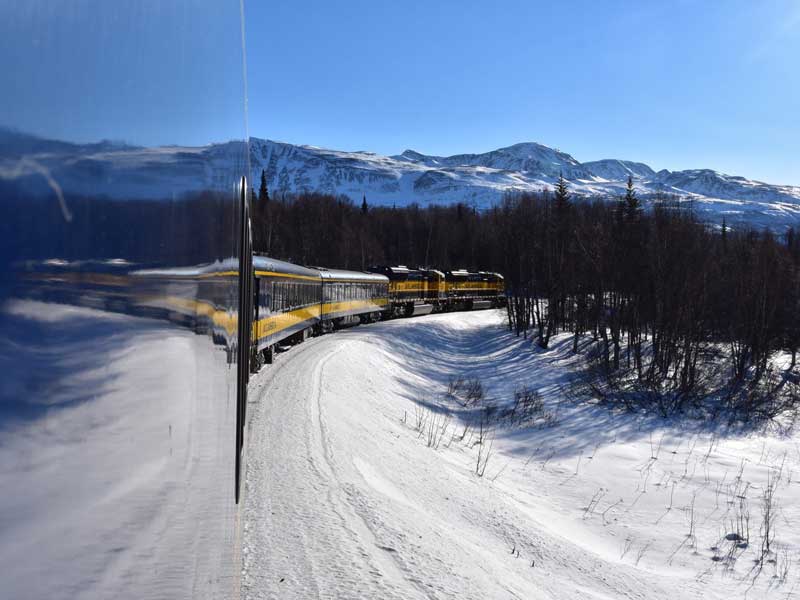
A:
x: 351, y: 493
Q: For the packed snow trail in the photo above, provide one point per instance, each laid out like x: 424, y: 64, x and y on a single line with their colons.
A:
x: 345, y: 498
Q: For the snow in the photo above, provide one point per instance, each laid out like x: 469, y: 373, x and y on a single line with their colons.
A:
x: 345, y: 498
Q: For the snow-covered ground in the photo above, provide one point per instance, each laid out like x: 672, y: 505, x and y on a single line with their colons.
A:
x: 348, y: 497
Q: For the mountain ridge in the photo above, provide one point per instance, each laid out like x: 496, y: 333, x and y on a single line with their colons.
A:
x: 480, y: 179
x: 485, y: 178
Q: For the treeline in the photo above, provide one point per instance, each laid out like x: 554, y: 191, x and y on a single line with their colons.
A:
x: 676, y: 314
x: 671, y: 311
x: 320, y: 229
x: 190, y: 230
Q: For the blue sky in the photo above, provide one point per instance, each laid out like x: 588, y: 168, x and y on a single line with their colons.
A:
x: 676, y: 84
x: 679, y: 84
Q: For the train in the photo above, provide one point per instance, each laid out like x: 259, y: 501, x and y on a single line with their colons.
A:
x: 292, y: 303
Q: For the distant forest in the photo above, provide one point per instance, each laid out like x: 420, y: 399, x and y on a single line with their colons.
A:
x: 672, y: 314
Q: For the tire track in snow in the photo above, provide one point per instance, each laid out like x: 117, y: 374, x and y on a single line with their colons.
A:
x: 303, y: 538
x: 357, y: 526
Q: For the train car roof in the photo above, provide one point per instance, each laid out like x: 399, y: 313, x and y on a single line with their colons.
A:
x: 397, y: 272
x: 271, y: 265
x: 439, y: 273
x: 493, y: 274
x: 227, y: 266
x: 399, y: 269
x: 342, y: 275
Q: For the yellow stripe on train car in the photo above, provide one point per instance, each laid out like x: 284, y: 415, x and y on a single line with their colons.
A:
x: 228, y: 321
x: 281, y: 321
x: 407, y: 286
x: 286, y: 275
x: 336, y: 307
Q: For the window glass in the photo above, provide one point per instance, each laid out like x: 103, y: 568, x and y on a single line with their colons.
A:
x: 114, y: 117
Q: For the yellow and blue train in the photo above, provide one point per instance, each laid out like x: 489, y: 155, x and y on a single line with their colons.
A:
x: 291, y: 303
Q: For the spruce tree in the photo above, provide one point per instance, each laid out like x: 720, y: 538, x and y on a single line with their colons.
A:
x: 263, y: 194
x: 724, y: 235
x: 632, y: 206
x: 364, y: 206
x: 562, y: 194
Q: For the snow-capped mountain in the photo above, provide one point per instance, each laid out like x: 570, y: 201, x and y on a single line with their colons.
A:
x: 483, y: 179
x: 619, y: 170
x: 121, y: 170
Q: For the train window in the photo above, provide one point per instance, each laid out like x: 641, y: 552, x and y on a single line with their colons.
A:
x: 265, y: 299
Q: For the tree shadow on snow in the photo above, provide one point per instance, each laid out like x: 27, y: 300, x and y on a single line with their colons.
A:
x: 437, y: 352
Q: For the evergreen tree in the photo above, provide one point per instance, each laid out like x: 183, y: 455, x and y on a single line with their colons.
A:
x: 632, y: 206
x: 562, y: 194
x: 364, y: 206
x: 724, y: 235
x: 263, y: 194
